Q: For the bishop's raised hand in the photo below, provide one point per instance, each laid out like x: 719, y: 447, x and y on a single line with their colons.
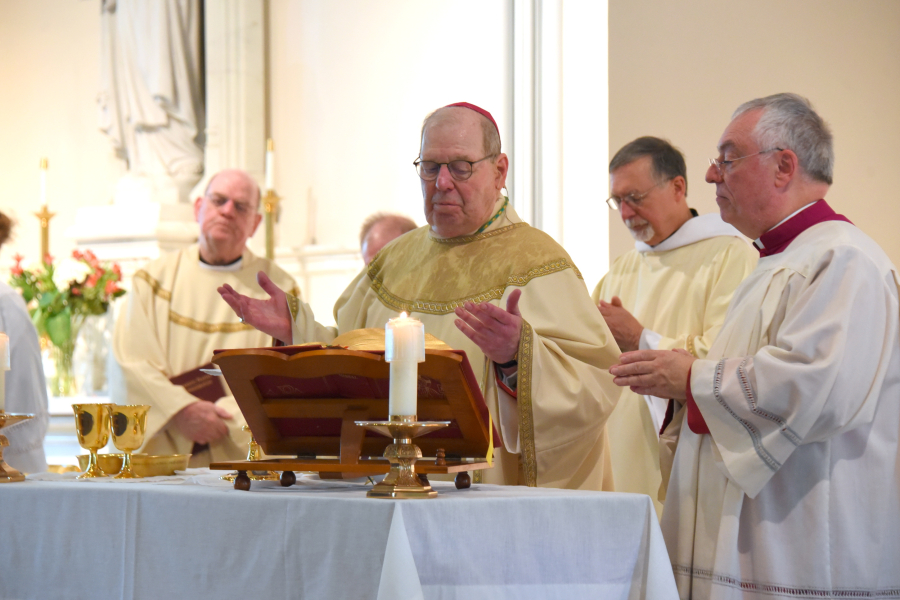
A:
x: 270, y: 316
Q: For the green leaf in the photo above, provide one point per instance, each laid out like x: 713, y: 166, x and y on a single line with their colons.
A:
x: 59, y: 327
x: 47, y: 298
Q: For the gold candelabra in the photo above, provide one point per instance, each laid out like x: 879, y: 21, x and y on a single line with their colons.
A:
x: 402, y: 481
x: 270, y: 206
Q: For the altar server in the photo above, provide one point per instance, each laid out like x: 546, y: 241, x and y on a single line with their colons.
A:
x: 785, y: 482
x: 174, y: 320
x: 540, y: 361
x: 671, y: 291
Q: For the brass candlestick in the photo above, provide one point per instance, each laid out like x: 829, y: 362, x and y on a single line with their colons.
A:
x: 270, y: 206
x: 7, y: 473
x: 45, y: 215
x: 402, y: 482
x: 253, y: 454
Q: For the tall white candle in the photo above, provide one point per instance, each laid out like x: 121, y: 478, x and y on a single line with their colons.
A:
x: 44, y: 181
x: 404, y: 348
x: 270, y: 165
x: 4, y: 367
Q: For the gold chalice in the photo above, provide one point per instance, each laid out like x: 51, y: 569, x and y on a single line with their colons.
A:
x: 128, y: 424
x: 92, y: 426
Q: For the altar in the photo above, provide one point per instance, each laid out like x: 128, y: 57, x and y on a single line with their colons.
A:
x: 193, y: 536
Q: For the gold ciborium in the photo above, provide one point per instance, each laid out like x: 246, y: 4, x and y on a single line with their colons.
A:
x: 92, y: 427
x: 7, y: 473
x: 128, y: 424
x: 402, y: 481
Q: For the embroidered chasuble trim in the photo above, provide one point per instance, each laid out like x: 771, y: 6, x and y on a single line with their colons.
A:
x: 785, y: 590
x: 442, y: 308
x: 293, y: 303
x: 154, y: 285
x: 755, y: 437
x: 526, y: 415
x: 190, y: 323
x: 689, y: 345
x: 468, y: 239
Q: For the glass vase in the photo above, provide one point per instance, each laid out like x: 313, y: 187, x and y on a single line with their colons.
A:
x: 63, y: 381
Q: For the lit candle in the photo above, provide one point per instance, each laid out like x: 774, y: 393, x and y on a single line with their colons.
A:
x: 4, y: 367
x: 270, y: 165
x: 404, y: 348
x: 44, y: 181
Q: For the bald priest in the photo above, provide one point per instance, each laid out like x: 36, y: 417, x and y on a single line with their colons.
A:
x: 173, y: 321
x: 541, y: 361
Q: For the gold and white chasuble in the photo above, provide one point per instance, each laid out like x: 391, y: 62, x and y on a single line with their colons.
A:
x: 796, y: 492
x: 679, y: 291
x: 554, y: 434
x: 172, y: 321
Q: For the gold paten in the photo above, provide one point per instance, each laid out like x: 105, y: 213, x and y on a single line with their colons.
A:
x: 92, y: 427
x: 402, y: 482
x: 144, y: 465
x: 253, y: 454
x: 128, y: 424
x: 7, y: 473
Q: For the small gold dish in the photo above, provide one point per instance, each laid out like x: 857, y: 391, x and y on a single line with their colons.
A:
x: 145, y: 465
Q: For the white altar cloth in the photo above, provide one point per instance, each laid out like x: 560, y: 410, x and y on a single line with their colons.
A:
x: 196, y: 537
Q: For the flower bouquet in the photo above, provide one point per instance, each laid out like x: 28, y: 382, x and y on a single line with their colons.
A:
x: 59, y: 297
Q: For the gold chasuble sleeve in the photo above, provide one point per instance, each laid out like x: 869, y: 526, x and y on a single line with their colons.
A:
x: 554, y: 432
x: 171, y: 322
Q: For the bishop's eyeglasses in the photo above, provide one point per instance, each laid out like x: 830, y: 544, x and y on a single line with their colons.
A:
x: 460, y: 170
x: 721, y: 164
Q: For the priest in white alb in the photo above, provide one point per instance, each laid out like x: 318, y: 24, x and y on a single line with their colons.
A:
x: 671, y: 291
x: 541, y: 362
x: 173, y: 320
x: 786, y: 480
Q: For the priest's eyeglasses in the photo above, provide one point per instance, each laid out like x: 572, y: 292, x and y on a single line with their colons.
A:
x: 460, y: 170
x: 633, y: 200
x: 721, y: 164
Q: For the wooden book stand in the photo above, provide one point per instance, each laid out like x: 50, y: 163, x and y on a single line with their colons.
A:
x: 303, y: 402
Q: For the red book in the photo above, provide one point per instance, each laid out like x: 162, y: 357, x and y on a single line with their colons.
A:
x: 199, y: 384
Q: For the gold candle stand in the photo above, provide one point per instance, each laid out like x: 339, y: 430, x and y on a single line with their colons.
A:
x: 253, y: 454
x: 270, y: 206
x: 402, y: 482
x: 7, y: 473
x: 45, y: 216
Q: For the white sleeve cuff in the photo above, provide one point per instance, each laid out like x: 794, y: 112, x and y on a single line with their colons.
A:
x: 649, y: 340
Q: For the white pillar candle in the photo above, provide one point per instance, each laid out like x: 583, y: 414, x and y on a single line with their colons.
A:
x: 4, y: 367
x: 404, y: 348
x: 270, y: 165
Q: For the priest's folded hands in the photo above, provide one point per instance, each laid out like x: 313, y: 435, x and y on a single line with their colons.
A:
x: 661, y: 373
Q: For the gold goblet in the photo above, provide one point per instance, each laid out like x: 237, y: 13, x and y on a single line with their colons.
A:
x: 128, y: 423
x: 92, y: 426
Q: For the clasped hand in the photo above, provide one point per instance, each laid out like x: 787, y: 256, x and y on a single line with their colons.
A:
x: 661, y: 373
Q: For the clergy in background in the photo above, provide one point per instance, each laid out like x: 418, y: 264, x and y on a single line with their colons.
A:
x: 381, y: 229
x: 541, y: 361
x: 671, y: 291
x: 174, y: 320
x: 785, y: 481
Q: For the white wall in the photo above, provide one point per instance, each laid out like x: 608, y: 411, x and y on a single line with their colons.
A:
x: 679, y: 69
x: 349, y: 85
x: 49, y: 80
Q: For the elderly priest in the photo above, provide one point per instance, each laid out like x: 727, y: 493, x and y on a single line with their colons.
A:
x: 785, y: 481
x: 173, y: 321
x: 540, y: 362
x: 671, y: 291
